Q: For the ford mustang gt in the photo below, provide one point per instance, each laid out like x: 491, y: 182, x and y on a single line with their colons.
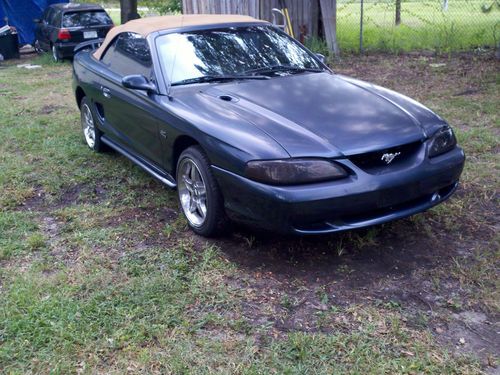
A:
x: 248, y: 125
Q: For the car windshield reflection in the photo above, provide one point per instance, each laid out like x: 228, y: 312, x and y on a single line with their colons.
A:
x: 237, y: 51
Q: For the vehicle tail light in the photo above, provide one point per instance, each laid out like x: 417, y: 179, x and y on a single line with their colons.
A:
x: 64, y: 34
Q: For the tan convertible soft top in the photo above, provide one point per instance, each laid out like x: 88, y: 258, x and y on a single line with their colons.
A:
x: 148, y: 25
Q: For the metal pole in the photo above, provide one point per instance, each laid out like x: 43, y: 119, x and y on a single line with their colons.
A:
x: 361, y: 29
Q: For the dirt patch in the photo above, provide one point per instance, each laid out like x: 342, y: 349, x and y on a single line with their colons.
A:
x: 288, y: 282
x: 158, y: 216
x: 42, y: 201
x: 466, y: 74
x: 48, y: 109
x: 91, y: 193
x: 35, y: 201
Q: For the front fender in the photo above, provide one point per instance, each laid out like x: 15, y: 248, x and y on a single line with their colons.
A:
x: 229, y: 140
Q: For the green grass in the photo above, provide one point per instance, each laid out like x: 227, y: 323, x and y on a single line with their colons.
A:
x: 99, y: 312
x: 98, y: 273
x: 158, y: 310
x: 424, y: 26
x: 19, y: 234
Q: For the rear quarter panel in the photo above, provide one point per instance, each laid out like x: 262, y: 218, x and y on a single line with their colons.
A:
x: 86, y: 74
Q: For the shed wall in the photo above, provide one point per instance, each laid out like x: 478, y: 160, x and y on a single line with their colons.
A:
x: 304, y: 14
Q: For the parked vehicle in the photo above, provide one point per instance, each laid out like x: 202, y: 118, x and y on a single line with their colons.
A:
x: 64, y: 26
x: 249, y: 125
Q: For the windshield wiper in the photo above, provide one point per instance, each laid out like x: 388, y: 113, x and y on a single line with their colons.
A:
x: 283, y: 68
x: 216, y: 78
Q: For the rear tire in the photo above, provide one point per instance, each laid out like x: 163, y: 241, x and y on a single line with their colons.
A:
x: 91, y: 134
x: 199, y: 195
x: 56, y: 56
x: 37, y: 46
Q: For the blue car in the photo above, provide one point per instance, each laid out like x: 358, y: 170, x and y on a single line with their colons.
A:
x: 248, y: 125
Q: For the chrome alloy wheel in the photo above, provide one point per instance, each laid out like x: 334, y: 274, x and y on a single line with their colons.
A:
x: 88, y: 126
x: 192, y: 192
x: 55, y: 55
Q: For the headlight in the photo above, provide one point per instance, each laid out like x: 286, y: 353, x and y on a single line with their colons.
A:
x: 443, y: 141
x: 294, y: 171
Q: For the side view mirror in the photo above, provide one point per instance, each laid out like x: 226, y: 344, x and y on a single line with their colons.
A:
x: 321, y: 57
x: 37, y: 20
x: 138, y: 82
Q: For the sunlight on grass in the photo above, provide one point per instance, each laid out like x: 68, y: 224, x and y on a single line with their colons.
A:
x: 424, y: 26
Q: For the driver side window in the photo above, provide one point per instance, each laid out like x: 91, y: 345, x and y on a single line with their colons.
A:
x: 129, y: 54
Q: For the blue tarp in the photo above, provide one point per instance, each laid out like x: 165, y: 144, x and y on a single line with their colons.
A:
x: 2, y: 15
x: 21, y: 14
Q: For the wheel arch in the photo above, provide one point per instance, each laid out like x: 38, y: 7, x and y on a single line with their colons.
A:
x: 79, y: 95
x: 181, y: 143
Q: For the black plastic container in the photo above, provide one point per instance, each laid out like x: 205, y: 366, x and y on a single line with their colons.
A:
x: 9, y: 46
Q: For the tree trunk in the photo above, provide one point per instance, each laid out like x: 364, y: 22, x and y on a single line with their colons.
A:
x: 398, y: 12
x: 128, y: 10
x: 329, y: 14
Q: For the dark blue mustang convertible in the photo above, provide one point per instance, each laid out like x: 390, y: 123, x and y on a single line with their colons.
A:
x: 249, y: 125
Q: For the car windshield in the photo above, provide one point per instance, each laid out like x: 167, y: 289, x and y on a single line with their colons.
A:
x: 237, y: 51
x: 90, y: 18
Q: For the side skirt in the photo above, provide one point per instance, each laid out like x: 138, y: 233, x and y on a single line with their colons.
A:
x: 161, y: 176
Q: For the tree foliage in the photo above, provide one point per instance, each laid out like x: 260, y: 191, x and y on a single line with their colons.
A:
x: 162, y: 6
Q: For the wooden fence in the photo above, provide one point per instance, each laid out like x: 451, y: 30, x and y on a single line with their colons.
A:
x: 305, y: 14
x: 248, y: 7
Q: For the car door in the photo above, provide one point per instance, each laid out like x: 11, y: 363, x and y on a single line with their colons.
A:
x: 133, y: 116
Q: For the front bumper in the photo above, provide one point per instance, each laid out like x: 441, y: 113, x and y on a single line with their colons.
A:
x: 360, y: 200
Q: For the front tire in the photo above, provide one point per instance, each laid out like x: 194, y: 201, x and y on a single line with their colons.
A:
x: 199, y: 195
x: 91, y: 134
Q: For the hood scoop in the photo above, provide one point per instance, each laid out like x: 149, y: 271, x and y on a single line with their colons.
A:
x: 227, y: 98
x: 220, y: 94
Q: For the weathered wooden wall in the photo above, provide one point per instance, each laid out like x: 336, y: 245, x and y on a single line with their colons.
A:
x: 305, y: 14
x: 248, y: 7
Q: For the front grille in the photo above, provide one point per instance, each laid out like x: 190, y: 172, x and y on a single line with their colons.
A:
x: 375, y: 159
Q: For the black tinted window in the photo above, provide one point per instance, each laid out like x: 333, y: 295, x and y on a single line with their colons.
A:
x: 91, y: 18
x: 129, y: 54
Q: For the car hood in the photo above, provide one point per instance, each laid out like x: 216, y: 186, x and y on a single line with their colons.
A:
x: 327, y: 115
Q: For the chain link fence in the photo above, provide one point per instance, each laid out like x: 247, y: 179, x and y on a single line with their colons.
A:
x: 409, y: 25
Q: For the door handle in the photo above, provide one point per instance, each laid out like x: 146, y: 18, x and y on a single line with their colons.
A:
x: 106, y: 92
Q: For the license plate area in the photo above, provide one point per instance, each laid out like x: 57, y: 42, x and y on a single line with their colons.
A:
x: 89, y: 34
x: 392, y: 197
